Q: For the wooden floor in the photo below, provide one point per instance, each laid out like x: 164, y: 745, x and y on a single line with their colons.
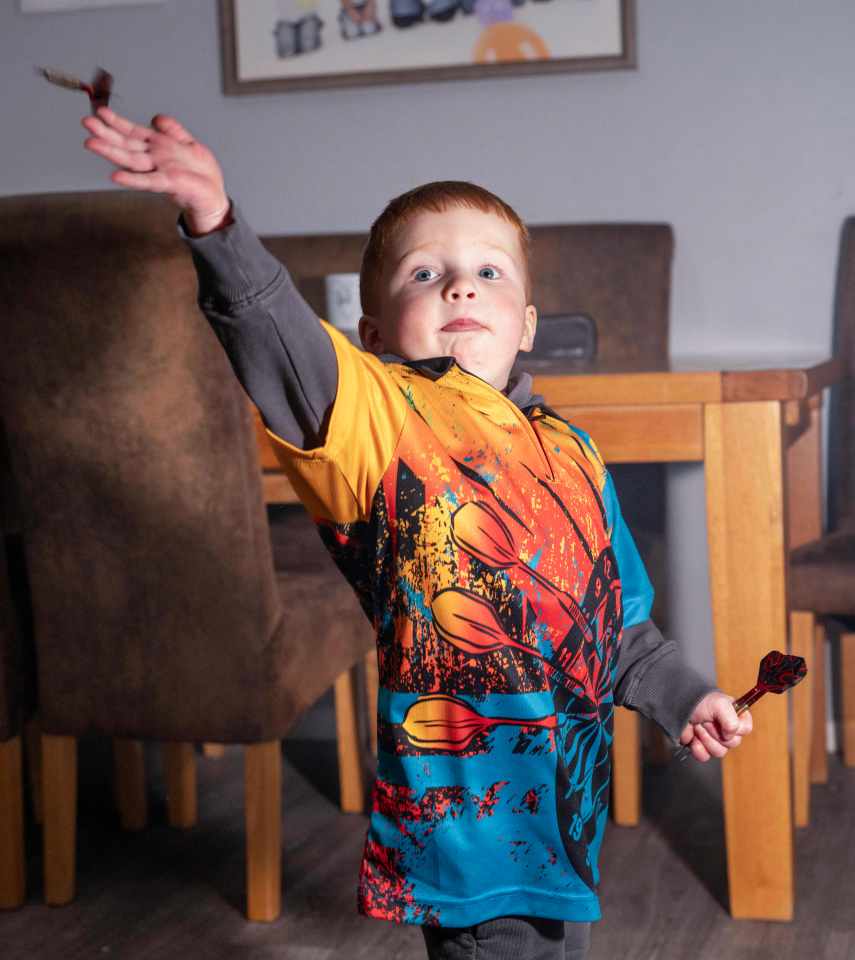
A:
x: 170, y: 895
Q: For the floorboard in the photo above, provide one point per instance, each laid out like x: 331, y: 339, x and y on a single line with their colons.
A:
x: 166, y: 894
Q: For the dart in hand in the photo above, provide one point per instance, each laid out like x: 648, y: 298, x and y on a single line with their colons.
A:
x: 778, y: 672
x: 98, y: 89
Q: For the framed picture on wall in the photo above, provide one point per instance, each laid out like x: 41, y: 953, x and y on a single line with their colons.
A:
x: 275, y: 45
x: 62, y: 6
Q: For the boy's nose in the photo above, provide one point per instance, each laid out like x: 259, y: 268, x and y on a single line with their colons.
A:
x: 460, y: 288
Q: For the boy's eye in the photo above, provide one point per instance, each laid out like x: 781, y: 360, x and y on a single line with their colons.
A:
x: 489, y: 273
x: 424, y: 274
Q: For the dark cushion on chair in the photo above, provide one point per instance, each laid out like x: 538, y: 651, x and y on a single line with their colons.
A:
x: 822, y: 575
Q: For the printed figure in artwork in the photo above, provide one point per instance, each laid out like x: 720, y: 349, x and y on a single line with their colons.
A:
x: 505, y: 41
x: 299, y: 29
x: 406, y: 13
x: 358, y: 18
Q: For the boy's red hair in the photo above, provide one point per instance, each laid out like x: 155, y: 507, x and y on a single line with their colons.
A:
x: 433, y: 197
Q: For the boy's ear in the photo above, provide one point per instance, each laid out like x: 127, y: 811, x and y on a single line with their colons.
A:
x: 529, y: 328
x: 369, y: 334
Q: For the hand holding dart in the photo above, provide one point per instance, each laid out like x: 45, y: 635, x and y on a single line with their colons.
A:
x: 778, y: 672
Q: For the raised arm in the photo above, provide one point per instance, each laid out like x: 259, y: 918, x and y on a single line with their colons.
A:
x: 274, y: 341
x: 163, y: 158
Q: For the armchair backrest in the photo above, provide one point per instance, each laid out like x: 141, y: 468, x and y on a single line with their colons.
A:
x: 147, y: 545
x: 617, y: 273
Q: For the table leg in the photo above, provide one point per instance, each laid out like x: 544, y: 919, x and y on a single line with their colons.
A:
x: 745, y: 527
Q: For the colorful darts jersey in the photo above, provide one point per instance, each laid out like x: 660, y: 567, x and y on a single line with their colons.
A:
x: 486, y: 545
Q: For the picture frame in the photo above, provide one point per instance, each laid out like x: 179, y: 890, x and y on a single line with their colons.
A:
x: 271, y: 46
x: 66, y: 6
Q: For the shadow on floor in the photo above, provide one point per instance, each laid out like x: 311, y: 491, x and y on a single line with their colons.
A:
x: 683, y: 803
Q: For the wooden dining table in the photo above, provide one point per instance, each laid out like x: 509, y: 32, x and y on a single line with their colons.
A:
x: 756, y: 427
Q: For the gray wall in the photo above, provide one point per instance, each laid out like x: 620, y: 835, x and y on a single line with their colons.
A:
x: 737, y: 128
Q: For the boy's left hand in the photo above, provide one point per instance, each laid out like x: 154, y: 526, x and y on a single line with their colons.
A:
x: 715, y: 727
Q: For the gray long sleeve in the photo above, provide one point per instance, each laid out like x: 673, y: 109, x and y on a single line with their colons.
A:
x: 653, y: 679
x: 278, y: 349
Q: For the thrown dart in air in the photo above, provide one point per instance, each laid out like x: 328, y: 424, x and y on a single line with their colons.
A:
x: 778, y: 672
x: 98, y: 89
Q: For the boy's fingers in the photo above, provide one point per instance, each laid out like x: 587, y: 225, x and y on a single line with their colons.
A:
x: 130, y: 160
x: 712, y: 745
x: 163, y: 123
x: 154, y: 182
x: 727, y: 718
x: 124, y: 126
x: 99, y: 129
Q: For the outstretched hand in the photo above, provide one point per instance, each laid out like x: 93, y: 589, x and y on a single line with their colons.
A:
x: 163, y: 158
x: 715, y: 727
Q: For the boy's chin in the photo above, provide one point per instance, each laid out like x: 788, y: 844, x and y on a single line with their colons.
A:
x: 487, y: 372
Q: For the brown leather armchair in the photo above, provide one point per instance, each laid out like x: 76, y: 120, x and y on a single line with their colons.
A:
x: 158, y: 611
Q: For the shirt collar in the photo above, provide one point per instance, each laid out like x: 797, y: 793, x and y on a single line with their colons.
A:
x: 518, y: 390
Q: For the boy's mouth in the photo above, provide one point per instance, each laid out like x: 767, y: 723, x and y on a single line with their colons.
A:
x: 463, y: 323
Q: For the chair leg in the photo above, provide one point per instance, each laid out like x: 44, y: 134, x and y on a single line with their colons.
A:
x: 12, y: 874
x: 349, y: 742
x: 179, y: 770
x: 33, y: 751
x: 263, y: 811
x: 802, y: 632
x: 847, y: 687
x: 129, y: 776
x: 819, y: 744
x: 59, y: 792
x: 626, y: 768
x: 372, y: 690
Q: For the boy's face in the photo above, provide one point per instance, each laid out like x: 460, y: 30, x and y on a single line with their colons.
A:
x: 453, y: 285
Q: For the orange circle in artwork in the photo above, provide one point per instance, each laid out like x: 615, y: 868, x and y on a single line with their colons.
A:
x: 503, y: 42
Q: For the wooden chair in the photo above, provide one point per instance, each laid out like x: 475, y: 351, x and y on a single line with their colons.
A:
x: 822, y: 568
x: 619, y: 274
x: 158, y: 610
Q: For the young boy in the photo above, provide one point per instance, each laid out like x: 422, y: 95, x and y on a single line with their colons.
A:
x: 482, y: 535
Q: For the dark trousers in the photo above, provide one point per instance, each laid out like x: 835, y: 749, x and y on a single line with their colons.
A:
x: 509, y: 938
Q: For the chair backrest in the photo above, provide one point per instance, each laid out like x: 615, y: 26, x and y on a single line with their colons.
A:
x: 841, y: 453
x: 148, y: 553
x: 617, y: 273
